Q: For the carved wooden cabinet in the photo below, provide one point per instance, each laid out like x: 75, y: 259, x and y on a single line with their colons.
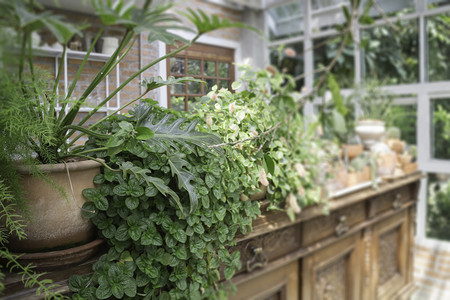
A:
x: 363, y: 249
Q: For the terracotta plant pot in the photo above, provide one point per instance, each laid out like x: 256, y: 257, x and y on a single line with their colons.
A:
x: 56, y: 221
x: 352, y: 151
x: 259, y: 195
x: 370, y: 131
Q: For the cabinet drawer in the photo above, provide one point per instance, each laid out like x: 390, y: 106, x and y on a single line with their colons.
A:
x: 389, y: 200
x: 336, y: 224
x: 260, y: 250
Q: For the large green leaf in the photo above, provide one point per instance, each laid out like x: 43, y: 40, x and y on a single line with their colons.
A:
x: 177, y: 166
x: 205, y: 24
x: 171, y: 135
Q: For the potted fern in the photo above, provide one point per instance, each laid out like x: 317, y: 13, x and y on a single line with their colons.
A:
x: 51, y: 145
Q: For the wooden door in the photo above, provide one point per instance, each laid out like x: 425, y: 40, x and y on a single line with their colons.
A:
x: 278, y: 284
x: 333, y: 273
x: 389, y: 256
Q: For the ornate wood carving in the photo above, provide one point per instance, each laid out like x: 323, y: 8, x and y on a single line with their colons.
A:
x: 331, y: 281
x: 388, y: 256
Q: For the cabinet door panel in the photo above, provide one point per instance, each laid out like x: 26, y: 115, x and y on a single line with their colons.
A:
x: 390, y: 255
x: 333, y: 273
x: 278, y: 284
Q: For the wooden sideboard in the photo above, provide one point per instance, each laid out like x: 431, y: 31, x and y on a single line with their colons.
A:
x: 363, y: 249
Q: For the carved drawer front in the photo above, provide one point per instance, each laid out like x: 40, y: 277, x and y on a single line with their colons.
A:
x: 390, y: 200
x: 336, y: 224
x: 332, y: 273
x: 258, y: 251
x: 279, y: 284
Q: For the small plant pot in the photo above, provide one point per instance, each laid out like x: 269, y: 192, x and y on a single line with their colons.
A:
x: 370, y: 131
x: 396, y: 145
x: 351, y: 151
x: 258, y: 196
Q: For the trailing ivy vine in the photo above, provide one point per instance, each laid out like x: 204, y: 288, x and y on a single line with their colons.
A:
x: 159, y: 250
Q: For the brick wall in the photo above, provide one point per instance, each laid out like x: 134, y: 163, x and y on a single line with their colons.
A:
x: 432, y: 270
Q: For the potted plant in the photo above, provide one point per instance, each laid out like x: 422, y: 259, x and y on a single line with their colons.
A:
x: 160, y: 248
x: 374, y: 107
x: 50, y: 143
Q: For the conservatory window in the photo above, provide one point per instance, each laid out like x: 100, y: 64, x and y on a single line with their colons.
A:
x: 440, y: 128
x: 434, y: 3
x: 391, y: 52
x: 390, y: 7
x: 325, y: 49
x: 438, y: 44
x: 285, y: 20
x: 405, y: 118
x: 438, y: 206
x: 211, y: 64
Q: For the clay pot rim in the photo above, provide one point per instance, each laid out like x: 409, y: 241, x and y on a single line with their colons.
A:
x: 370, y: 122
x: 60, y: 253
x: 61, y: 167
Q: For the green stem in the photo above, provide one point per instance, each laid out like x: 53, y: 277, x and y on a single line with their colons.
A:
x: 145, y: 68
x: 80, y: 69
x: 106, y: 117
x: 94, y: 159
x: 55, y: 86
x: 68, y: 119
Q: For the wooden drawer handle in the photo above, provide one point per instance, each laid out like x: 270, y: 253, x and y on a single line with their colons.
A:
x: 258, y: 259
x: 397, y: 203
x: 342, y: 227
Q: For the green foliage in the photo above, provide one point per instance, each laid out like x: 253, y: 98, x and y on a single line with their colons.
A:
x: 438, y: 210
x: 157, y: 250
x: 372, y: 101
x: 441, y: 128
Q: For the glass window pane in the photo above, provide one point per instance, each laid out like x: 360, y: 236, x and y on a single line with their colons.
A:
x: 285, y: 20
x: 224, y: 69
x: 224, y: 84
x: 320, y: 4
x: 194, y: 87
x: 210, y: 83
x: 391, y: 8
x: 209, y: 68
x: 438, y: 206
x: 438, y: 47
x: 440, y: 129
x: 289, y: 60
x: 324, y: 52
x: 177, y: 65
x: 193, y: 102
x: 392, y: 55
x: 405, y: 118
x: 177, y: 89
x: 194, y: 66
x: 177, y: 103
x: 436, y: 3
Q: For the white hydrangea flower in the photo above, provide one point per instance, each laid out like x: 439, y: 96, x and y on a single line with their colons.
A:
x: 300, y: 169
x: 291, y: 202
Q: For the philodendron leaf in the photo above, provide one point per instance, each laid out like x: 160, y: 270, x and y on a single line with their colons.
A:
x: 205, y: 24
x: 177, y: 166
x: 157, y: 82
x: 171, y: 135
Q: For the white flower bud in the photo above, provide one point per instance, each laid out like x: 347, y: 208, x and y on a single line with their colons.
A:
x: 300, y: 169
x: 208, y: 121
x: 263, y: 177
